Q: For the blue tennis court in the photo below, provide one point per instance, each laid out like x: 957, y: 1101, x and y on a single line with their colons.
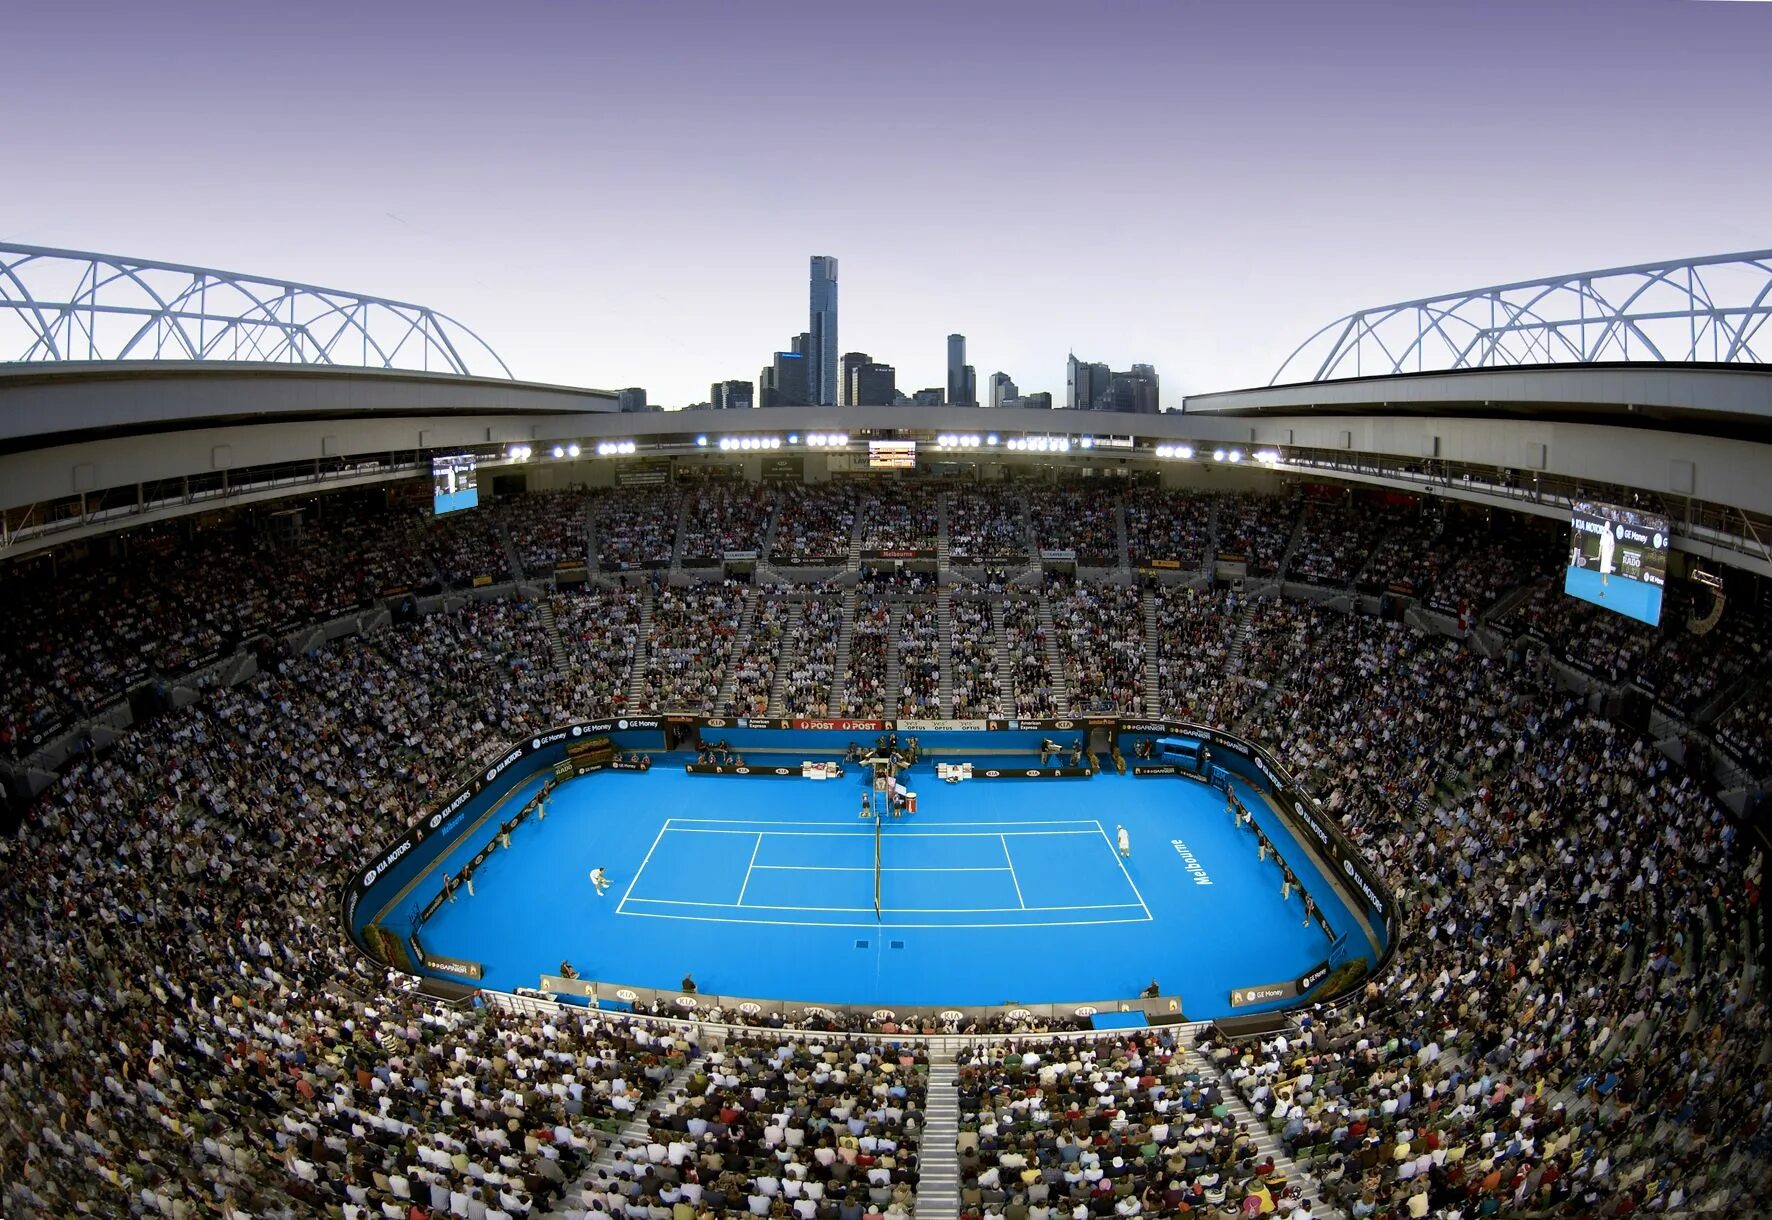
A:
x: 999, y: 891
x: 1013, y: 874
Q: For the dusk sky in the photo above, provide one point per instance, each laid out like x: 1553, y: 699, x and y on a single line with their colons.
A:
x: 628, y: 194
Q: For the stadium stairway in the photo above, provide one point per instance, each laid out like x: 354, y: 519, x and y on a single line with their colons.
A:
x: 855, y: 531
x: 941, y: 541
x: 741, y: 648
x: 895, y: 653
x: 840, y: 665
x: 512, y: 561
x: 767, y: 546
x: 1153, y: 697
x: 642, y: 646
x: 683, y: 510
x: 1061, y: 687
x: 944, y: 631
x: 938, y: 1157
x: 633, y: 1133
x: 556, y: 645
x: 1240, y: 642
x: 590, y: 538
x: 1122, y: 540
x: 1005, y: 660
x: 784, y: 664
x: 1266, y: 1142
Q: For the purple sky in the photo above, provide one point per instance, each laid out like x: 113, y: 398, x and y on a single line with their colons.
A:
x: 627, y: 194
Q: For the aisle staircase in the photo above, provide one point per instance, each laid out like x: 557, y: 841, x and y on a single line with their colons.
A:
x: 510, y: 549
x: 941, y: 544
x: 938, y: 1157
x: 590, y: 538
x: 1122, y: 536
x: 853, y: 564
x: 784, y: 664
x: 1153, y: 695
x: 1005, y: 659
x: 1061, y: 687
x: 767, y: 545
x: 634, y: 1133
x: 894, y: 661
x: 845, y: 633
x: 1266, y: 1142
x: 642, y: 648
x: 684, y: 507
x: 556, y: 645
x: 1245, y: 631
x: 741, y: 648
x: 944, y: 633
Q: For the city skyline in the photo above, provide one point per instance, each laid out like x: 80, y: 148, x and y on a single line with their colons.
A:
x: 596, y: 189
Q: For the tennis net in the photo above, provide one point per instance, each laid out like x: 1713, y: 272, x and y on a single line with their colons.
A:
x: 878, y: 823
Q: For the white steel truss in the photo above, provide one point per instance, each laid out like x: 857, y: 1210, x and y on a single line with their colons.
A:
x: 1695, y: 310
x: 59, y: 305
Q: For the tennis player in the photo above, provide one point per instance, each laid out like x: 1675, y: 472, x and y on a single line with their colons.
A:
x: 600, y: 879
x: 1607, y: 544
x: 1125, y: 840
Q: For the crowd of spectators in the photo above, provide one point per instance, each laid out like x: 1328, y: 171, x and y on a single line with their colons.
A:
x: 900, y: 517
x: 1165, y: 528
x: 186, y: 1035
x: 1029, y: 669
x: 721, y: 517
x: 753, y: 674
x: 1402, y: 557
x: 636, y: 528
x: 1481, y: 557
x: 814, y: 525
x: 1111, y: 1126
x: 1600, y: 641
x: 1078, y: 517
x: 972, y: 659
x: 694, y: 630
x: 468, y: 546
x: 864, y: 677
x: 813, y: 640
x: 1745, y: 730
x: 1257, y: 527
x: 1335, y: 538
x: 547, y: 529
x: 1196, y: 630
x: 600, y: 629
x: 987, y: 524
x: 919, y: 661
x: 1686, y: 669
x: 1100, y: 630
x: 1568, y: 1024
x: 790, y: 1127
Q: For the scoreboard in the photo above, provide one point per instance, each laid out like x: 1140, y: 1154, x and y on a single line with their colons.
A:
x: 1618, y: 559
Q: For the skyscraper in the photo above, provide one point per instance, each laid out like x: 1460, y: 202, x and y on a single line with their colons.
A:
x: 785, y: 382
x: 821, y: 354
x: 731, y: 395
x: 632, y: 399
x: 959, y: 395
x: 866, y: 382
x: 1088, y: 387
x: 1002, y: 388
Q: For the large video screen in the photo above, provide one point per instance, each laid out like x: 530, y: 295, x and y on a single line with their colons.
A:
x: 453, y: 483
x: 1618, y: 559
x: 892, y: 455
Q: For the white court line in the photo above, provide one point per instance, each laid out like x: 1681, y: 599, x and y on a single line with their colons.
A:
x: 853, y: 821
x: 903, y: 834
x: 1115, y: 852
x: 748, y: 868
x: 1004, y: 840
x: 820, y: 923
x: 847, y: 868
x: 636, y: 877
x: 757, y: 906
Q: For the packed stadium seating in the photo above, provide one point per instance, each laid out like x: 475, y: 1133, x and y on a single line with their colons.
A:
x: 1569, y: 1026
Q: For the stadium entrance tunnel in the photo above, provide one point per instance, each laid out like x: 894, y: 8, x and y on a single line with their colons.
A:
x: 1043, y: 879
